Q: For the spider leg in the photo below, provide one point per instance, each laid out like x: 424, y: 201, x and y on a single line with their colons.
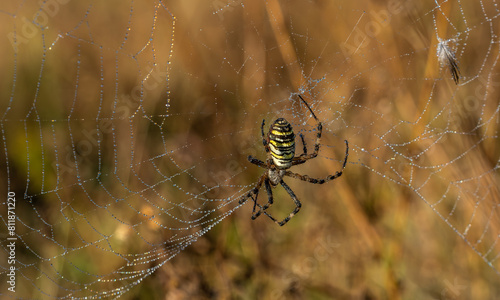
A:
x: 298, y: 205
x: 319, y: 128
x: 328, y: 178
x: 308, y: 108
x: 269, y: 202
x: 265, y: 142
x: 303, y: 143
x: 300, y: 159
x: 256, y: 161
x: 305, y: 157
x: 254, y: 193
x: 270, y: 217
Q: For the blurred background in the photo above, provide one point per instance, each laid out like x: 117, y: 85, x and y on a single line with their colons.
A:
x: 126, y: 128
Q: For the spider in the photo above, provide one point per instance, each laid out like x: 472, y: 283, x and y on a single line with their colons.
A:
x: 280, y: 149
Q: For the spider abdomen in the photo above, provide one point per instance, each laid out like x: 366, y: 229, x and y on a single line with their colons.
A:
x: 282, y: 143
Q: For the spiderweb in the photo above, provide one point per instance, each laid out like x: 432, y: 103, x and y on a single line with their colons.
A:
x: 126, y: 128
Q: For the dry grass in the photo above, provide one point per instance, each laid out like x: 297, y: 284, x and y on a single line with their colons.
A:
x: 367, y: 235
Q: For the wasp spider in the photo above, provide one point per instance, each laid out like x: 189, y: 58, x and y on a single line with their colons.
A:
x: 279, y: 144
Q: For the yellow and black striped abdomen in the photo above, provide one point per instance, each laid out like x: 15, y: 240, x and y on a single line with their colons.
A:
x: 282, y: 143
